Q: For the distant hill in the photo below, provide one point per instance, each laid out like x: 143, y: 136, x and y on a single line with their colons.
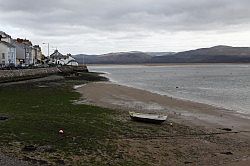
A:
x: 84, y: 58
x: 115, y: 58
x: 217, y: 54
x: 160, y: 53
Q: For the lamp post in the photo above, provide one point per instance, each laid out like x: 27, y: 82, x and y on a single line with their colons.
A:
x: 48, y: 48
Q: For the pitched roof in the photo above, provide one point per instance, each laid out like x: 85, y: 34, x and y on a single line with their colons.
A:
x: 4, y: 35
x: 24, y: 41
x: 57, y: 55
x: 7, y: 44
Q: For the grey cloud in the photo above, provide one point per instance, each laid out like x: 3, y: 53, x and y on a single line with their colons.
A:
x: 122, y: 19
x: 124, y: 15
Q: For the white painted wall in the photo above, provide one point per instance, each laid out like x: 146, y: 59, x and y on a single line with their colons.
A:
x: 3, y: 54
x: 67, y: 61
x: 8, y: 40
x: 9, y: 54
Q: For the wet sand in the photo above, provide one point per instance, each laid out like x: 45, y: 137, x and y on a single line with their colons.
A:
x: 115, y: 96
x: 231, y: 148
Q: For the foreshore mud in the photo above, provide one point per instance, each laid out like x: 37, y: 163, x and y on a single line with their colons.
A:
x: 219, y: 138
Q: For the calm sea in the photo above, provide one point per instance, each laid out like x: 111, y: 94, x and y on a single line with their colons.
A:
x: 223, y: 85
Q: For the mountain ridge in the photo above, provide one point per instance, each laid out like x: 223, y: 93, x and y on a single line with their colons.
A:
x: 216, y: 54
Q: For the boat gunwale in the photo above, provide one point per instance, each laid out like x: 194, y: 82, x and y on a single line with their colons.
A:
x: 152, y: 117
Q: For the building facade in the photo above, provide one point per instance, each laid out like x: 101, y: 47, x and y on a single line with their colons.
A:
x: 37, y: 54
x: 60, y: 59
x: 7, y: 50
x: 19, y: 51
x: 7, y: 54
x: 24, y: 51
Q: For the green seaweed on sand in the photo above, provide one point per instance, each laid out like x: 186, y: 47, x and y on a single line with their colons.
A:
x: 37, y: 113
x: 92, y: 135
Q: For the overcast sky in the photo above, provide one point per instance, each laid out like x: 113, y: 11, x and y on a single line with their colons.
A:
x: 102, y: 26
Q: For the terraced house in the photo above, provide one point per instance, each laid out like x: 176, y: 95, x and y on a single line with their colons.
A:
x: 7, y: 50
x: 18, y: 52
x: 24, y: 51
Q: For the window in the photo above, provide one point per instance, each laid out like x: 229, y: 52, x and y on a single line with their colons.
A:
x: 3, y: 55
x: 3, y: 62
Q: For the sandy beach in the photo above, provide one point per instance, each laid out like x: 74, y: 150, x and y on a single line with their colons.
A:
x: 225, y: 148
x: 115, y: 96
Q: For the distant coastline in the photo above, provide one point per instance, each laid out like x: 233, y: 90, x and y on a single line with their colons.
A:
x: 216, y: 54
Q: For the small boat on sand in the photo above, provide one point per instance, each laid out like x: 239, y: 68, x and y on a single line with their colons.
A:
x: 149, y: 118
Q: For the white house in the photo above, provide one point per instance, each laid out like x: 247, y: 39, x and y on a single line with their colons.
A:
x: 5, y: 37
x: 71, y: 61
x: 7, y: 54
x: 18, y: 51
x: 60, y: 59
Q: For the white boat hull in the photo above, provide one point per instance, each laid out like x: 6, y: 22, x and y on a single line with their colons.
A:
x: 150, y: 118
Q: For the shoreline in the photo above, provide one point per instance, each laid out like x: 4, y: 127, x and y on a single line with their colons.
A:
x: 232, y: 130
x: 166, y: 64
x: 222, y: 107
x: 115, y: 96
x: 240, y: 107
x: 99, y: 136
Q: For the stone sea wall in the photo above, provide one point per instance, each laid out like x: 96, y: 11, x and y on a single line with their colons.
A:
x: 25, y: 74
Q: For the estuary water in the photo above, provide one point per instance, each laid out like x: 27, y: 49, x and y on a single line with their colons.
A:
x: 223, y: 85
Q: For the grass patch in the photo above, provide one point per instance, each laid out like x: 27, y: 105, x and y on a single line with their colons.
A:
x: 36, y: 114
